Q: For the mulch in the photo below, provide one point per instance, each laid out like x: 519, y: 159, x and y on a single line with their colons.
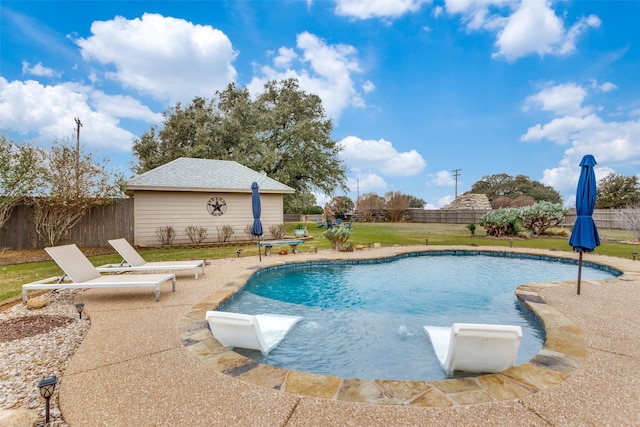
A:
x: 28, y: 326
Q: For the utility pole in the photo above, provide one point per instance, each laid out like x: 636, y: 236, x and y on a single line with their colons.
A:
x: 456, y: 174
x: 78, y: 126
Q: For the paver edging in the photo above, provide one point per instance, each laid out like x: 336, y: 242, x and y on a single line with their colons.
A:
x: 552, y: 365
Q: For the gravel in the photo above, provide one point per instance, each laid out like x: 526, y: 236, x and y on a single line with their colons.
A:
x: 35, y: 344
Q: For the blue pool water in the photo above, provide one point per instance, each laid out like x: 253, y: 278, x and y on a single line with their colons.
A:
x: 364, y: 319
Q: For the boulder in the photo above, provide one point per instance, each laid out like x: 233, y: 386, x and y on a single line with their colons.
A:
x: 19, y: 417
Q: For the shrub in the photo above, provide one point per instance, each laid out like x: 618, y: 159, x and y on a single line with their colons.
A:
x: 277, y: 231
x: 536, y: 218
x: 196, y: 234
x: 541, y: 216
x: 338, y: 236
x: 501, y: 222
x: 472, y: 228
x: 224, y: 233
x: 522, y: 201
x: 166, y: 234
x: 501, y: 202
x: 506, y: 202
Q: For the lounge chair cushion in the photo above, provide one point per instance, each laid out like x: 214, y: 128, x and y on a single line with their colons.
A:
x: 472, y: 347
x: 84, y: 275
x: 257, y: 332
x: 134, y: 262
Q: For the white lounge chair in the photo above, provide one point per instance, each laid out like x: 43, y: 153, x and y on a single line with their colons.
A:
x: 472, y: 347
x: 83, y: 274
x: 132, y: 261
x: 258, y: 332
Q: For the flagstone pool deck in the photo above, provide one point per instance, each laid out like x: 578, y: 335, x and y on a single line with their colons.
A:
x: 148, y: 363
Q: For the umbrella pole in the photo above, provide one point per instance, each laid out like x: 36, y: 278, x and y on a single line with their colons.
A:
x: 579, y: 272
x: 260, y: 254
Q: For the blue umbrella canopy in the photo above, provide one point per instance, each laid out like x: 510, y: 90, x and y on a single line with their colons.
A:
x: 584, y: 236
x: 256, y: 227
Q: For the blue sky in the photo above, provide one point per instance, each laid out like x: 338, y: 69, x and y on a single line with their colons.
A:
x: 416, y: 89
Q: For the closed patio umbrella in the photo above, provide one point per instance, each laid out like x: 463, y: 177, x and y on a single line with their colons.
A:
x: 256, y: 227
x: 584, y: 237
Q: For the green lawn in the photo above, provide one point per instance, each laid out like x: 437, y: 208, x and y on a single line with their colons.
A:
x: 387, y: 234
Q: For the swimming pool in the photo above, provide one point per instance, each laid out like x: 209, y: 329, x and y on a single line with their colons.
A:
x: 364, y: 319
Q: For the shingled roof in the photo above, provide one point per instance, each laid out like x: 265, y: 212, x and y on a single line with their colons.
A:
x: 187, y: 174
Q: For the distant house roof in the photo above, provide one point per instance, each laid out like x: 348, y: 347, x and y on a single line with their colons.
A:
x: 187, y: 174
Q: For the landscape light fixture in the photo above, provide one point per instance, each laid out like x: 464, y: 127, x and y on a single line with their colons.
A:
x: 634, y: 255
x: 238, y: 252
x: 426, y: 242
x: 80, y: 307
x: 47, y: 385
x: 369, y: 244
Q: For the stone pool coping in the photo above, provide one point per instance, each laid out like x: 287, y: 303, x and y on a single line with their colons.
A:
x: 561, y: 355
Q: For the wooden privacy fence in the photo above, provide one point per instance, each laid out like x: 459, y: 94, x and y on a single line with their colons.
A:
x: 444, y: 216
x: 93, y: 230
x: 116, y: 220
x: 604, y: 218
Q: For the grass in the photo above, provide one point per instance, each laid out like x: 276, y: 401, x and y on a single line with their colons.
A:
x: 387, y: 234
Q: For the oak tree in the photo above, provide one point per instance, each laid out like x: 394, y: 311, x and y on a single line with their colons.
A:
x: 283, y: 132
x: 503, y: 185
x: 616, y: 191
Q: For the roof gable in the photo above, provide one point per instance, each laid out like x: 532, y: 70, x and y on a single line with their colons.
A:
x: 188, y: 174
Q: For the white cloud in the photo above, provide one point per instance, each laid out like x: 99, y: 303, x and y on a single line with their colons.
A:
x: 442, y: 179
x: 321, y: 199
x: 324, y: 69
x: 284, y: 58
x: 37, y: 70
x: 535, y: 28
x: 444, y: 201
x: 368, y: 86
x: 561, y: 130
x: 523, y: 27
x: 564, y: 179
x: 366, y: 9
x: 476, y: 13
x: 612, y: 143
x: 367, y: 183
x: 381, y: 156
x: 47, y: 112
x: 606, y: 87
x: 564, y: 99
x: 167, y: 58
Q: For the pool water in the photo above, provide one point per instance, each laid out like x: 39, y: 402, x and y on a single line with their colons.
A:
x: 364, y: 319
